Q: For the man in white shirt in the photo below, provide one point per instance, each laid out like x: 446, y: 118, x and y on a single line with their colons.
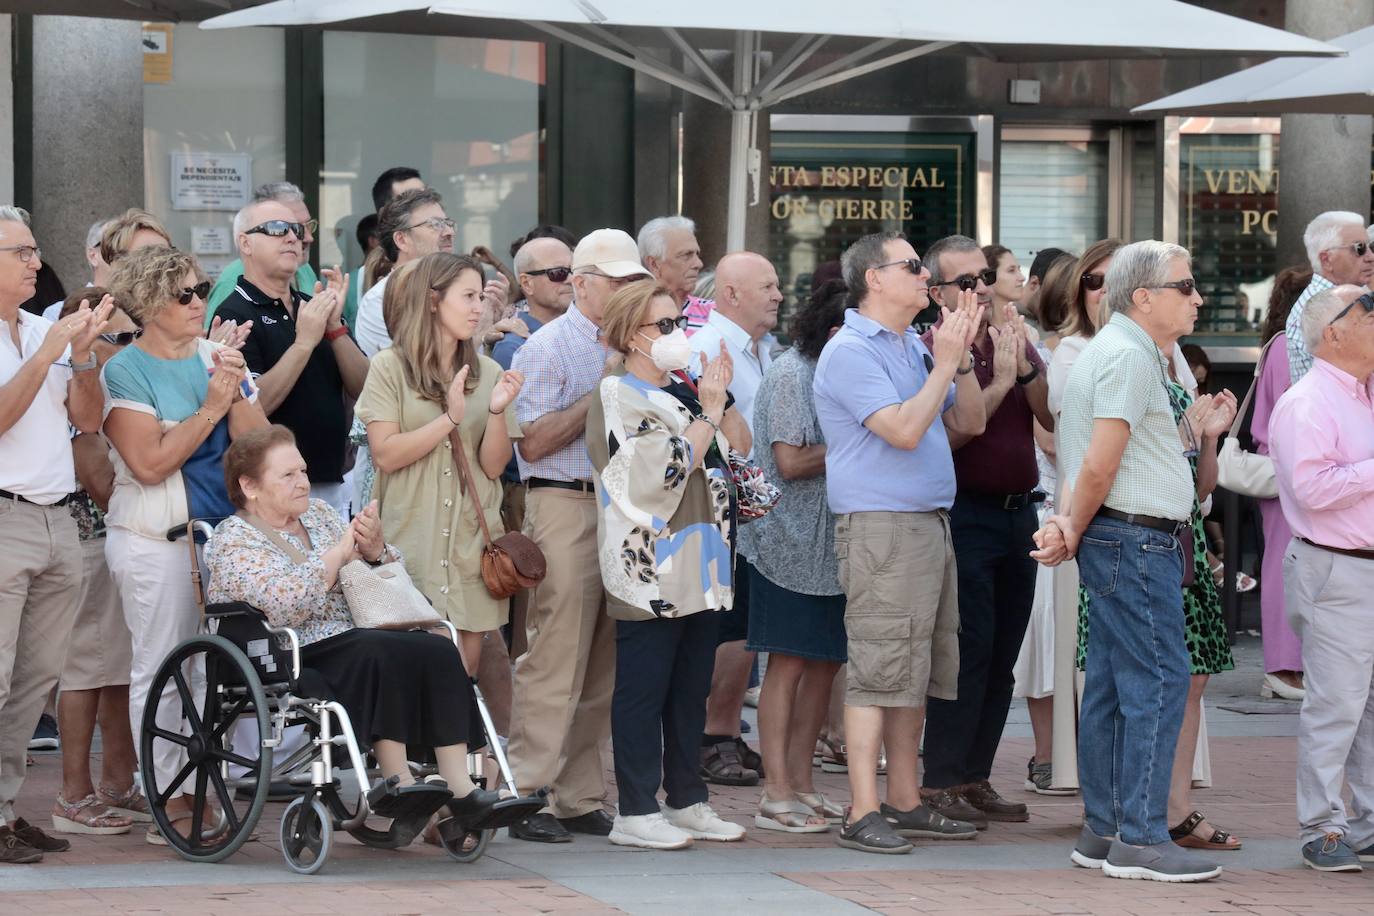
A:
x: 99, y: 269
x: 47, y: 381
x: 410, y: 226
x: 1340, y: 252
x: 746, y: 310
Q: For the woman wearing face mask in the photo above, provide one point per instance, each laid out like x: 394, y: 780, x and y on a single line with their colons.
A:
x: 666, y: 536
x: 430, y: 382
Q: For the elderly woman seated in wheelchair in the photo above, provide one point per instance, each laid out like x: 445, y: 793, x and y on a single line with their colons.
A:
x: 274, y: 569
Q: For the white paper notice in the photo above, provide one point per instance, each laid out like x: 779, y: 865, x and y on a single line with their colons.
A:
x: 211, y: 181
x: 209, y: 239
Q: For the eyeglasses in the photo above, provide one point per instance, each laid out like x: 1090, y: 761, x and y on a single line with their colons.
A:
x: 913, y: 265
x: 121, y: 338
x: 1358, y: 247
x: 25, y: 251
x: 311, y: 225
x: 1093, y: 282
x: 666, y: 325
x: 1186, y: 287
x: 1366, y: 302
x: 555, y: 274
x: 276, y: 228
x: 967, y: 282
x: 199, y: 291
x: 437, y: 223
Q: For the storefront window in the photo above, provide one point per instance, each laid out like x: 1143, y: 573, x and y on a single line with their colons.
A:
x: 212, y: 131
x: 465, y: 112
x: 1053, y: 193
x: 828, y: 189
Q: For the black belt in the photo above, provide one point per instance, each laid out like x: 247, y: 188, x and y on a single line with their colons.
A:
x: 6, y: 494
x: 1008, y: 501
x: 1344, y: 551
x: 581, y: 486
x: 1167, y: 525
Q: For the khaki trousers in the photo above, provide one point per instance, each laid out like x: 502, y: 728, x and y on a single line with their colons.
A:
x: 40, y: 590
x: 513, y: 516
x: 561, y: 713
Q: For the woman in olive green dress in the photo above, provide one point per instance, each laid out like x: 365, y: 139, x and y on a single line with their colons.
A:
x: 430, y: 381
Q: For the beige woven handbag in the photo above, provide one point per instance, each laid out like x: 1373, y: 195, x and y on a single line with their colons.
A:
x: 381, y: 596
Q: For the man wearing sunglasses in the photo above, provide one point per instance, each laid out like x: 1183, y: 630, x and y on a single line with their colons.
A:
x: 410, y: 226
x: 668, y: 247
x: 298, y: 347
x: 991, y: 522
x: 1341, y: 253
x: 1322, y: 443
x: 293, y: 199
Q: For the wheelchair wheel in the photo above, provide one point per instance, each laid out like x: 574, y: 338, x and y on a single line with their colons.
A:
x: 470, y: 848
x: 306, y: 834
x: 198, y: 740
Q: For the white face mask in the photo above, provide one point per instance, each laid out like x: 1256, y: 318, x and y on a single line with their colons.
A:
x: 671, y: 352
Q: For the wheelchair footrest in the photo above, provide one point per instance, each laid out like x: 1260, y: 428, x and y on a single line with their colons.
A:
x: 398, y: 802
x: 487, y: 814
x: 511, y: 810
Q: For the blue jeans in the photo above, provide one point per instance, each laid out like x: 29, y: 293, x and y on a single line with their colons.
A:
x: 1136, y: 683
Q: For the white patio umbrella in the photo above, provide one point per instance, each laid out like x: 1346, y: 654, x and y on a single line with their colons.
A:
x: 869, y: 34
x: 1344, y: 85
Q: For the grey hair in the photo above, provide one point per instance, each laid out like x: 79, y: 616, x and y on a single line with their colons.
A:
x: 96, y: 232
x: 1321, y: 308
x: 862, y: 256
x: 11, y: 213
x: 1139, y: 265
x: 1324, y: 233
x: 653, y: 235
x: 242, y: 218
x: 282, y: 191
x: 950, y: 244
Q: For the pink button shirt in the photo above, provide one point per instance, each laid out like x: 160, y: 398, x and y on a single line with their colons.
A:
x: 1321, y: 437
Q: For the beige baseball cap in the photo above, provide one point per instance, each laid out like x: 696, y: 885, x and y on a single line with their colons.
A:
x: 610, y: 251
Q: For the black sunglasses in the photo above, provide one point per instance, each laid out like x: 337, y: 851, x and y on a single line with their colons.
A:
x: 1093, y: 281
x: 555, y: 274
x: 1186, y: 287
x: 913, y: 265
x: 200, y: 290
x: 666, y: 325
x: 277, y: 228
x: 1358, y: 247
x: 121, y: 338
x: 1366, y: 302
x: 967, y: 282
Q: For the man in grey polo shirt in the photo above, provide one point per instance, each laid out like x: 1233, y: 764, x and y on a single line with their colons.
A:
x: 1132, y: 496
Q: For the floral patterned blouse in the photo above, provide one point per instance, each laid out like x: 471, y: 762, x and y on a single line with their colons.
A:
x: 246, y: 566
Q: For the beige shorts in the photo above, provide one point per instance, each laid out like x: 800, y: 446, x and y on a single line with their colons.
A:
x: 99, y: 653
x: 902, y: 607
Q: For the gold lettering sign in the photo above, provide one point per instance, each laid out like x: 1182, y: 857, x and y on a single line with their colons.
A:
x: 786, y: 178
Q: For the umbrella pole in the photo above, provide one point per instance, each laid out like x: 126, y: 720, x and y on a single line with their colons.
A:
x: 741, y: 116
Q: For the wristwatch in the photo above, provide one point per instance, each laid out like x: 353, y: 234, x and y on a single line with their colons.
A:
x: 1029, y: 376
x: 90, y: 363
x: 966, y: 369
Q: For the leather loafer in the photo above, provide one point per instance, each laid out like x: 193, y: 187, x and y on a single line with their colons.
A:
x: 954, y: 806
x: 984, y: 797
x: 540, y: 828
x: 593, y: 823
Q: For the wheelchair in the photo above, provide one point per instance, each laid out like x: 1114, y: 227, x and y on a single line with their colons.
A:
x: 241, y: 676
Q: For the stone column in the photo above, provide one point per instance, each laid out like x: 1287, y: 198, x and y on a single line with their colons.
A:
x: 1324, y: 160
x: 87, y: 132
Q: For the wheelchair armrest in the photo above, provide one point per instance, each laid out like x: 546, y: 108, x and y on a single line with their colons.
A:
x: 234, y: 609
x: 426, y: 625
x: 199, y: 525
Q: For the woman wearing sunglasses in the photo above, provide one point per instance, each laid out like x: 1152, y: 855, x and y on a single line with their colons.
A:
x: 176, y: 400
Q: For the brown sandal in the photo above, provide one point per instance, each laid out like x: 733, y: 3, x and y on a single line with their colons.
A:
x: 1220, y: 840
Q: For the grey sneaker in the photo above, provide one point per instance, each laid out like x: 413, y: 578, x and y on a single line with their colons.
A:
x: 1040, y: 779
x: 1366, y: 854
x: 1091, y: 850
x: 923, y: 822
x: 1333, y: 853
x: 1160, y: 862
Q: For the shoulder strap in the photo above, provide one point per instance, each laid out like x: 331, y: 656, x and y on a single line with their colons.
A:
x: 286, y: 546
x: 460, y: 458
x: 1250, y: 394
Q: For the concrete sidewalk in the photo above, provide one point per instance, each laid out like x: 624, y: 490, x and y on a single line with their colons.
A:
x: 1012, y: 868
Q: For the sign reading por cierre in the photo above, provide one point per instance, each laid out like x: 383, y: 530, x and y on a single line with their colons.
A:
x: 211, y: 181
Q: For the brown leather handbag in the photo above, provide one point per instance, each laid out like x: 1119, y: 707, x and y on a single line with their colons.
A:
x: 510, y: 563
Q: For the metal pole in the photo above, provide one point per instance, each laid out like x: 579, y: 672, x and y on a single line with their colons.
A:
x: 746, y: 44
x: 1230, y: 601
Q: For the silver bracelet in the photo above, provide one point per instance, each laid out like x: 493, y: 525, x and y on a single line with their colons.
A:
x: 705, y: 419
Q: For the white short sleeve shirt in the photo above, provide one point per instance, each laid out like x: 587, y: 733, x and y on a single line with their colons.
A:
x: 36, y: 452
x: 370, y: 327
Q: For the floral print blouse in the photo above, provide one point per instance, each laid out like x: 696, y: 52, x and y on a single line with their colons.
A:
x: 246, y: 566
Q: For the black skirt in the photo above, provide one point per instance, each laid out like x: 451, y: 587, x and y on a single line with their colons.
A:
x: 409, y: 687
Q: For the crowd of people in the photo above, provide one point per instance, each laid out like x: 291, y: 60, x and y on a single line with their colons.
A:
x: 911, y: 528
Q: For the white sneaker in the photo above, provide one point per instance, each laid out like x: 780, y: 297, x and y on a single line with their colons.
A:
x: 701, y: 823
x: 650, y: 831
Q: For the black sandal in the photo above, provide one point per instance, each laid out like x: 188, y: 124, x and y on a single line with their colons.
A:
x: 1220, y: 841
x: 722, y: 764
x: 873, y: 833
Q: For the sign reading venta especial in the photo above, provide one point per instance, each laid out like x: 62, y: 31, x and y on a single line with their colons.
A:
x: 211, y: 181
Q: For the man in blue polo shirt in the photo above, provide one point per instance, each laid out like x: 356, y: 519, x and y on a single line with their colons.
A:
x: 885, y: 403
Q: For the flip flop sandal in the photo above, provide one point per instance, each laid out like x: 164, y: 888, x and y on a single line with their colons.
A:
x: 790, y: 816
x: 823, y: 806
x: 1220, y: 841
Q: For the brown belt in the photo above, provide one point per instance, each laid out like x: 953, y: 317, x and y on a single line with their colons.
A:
x: 1344, y: 551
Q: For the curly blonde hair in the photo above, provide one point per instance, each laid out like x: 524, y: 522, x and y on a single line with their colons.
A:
x: 145, y: 281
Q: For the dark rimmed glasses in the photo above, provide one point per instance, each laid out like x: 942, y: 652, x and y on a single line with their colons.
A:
x: 913, y: 265
x: 667, y: 325
x: 1186, y: 287
x: 276, y: 228
x: 555, y: 274
x: 436, y: 223
x: 1358, y: 247
x: 121, y: 338
x: 199, y: 291
x: 1366, y: 302
x: 1093, y: 282
x: 969, y: 282
x: 25, y: 252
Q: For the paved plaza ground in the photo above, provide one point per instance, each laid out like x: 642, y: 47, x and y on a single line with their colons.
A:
x: 1010, y: 869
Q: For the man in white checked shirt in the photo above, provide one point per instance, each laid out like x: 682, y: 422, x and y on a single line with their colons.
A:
x: 1340, y: 253
x: 561, y: 713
